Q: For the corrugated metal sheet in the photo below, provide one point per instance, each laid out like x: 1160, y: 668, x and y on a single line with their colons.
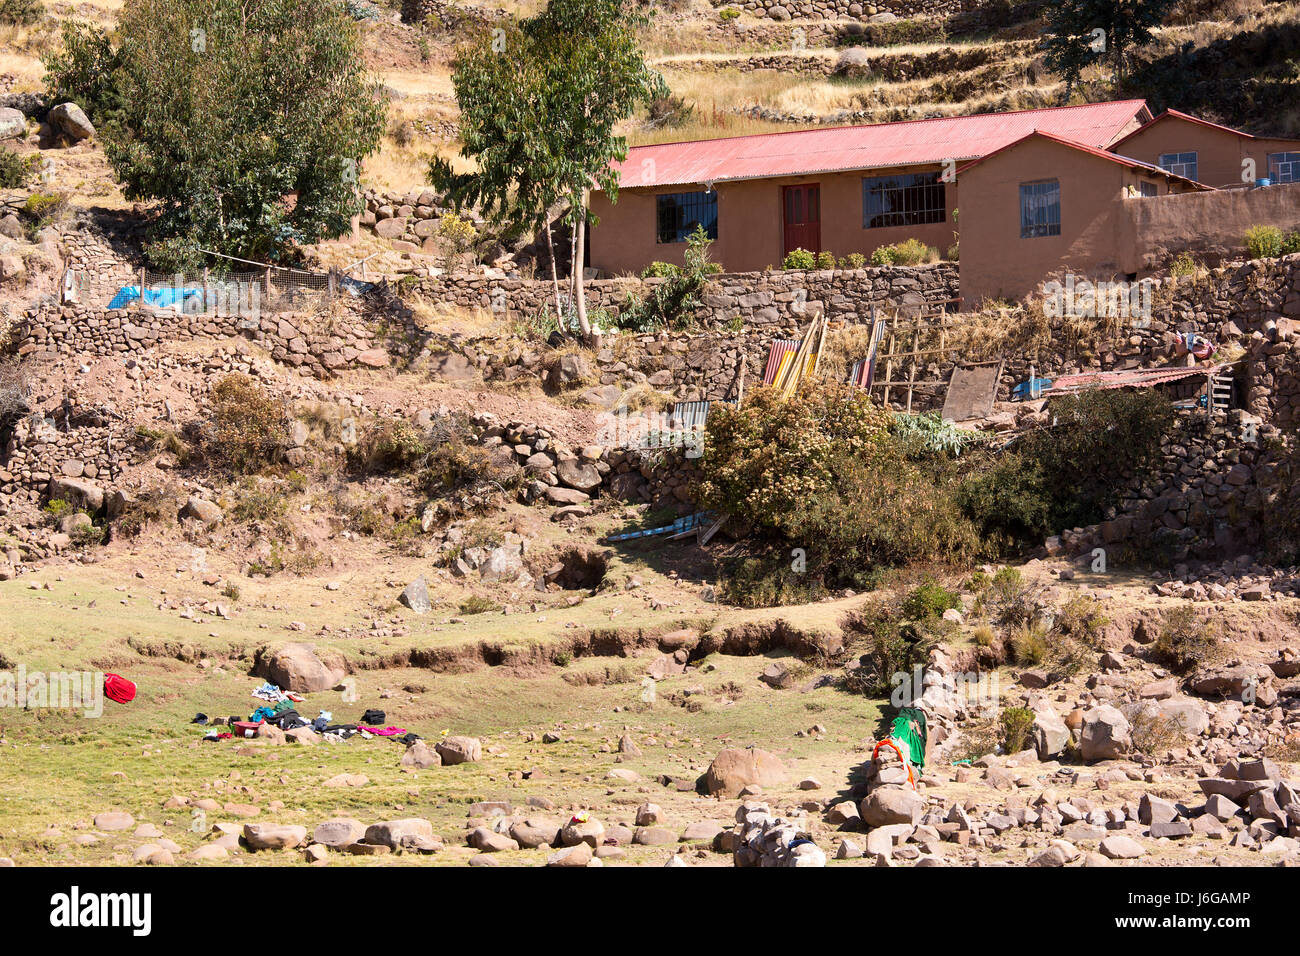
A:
x: 882, y: 145
x: 776, y: 354
x: 1128, y: 378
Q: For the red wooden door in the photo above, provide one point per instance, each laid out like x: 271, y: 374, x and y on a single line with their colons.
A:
x: 803, y: 217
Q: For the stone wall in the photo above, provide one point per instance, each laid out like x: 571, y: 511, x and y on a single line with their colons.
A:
x: 321, y: 345
x: 782, y: 10
x: 36, y: 452
x: 754, y: 298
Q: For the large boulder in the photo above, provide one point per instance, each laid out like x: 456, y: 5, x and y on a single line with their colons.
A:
x: 202, y: 510
x: 420, y: 756
x: 568, y: 370
x: 1105, y: 734
x: 734, y: 769
x: 502, y: 566
x: 297, y: 667
x: 1050, y: 733
x: 338, y: 832
x: 578, y: 473
x: 853, y: 62
x: 399, y: 833
x: 886, y: 806
x: 71, y: 121
x: 456, y: 750
x: 416, y: 596
x: 274, y: 836
x: 12, y: 123
x: 77, y: 492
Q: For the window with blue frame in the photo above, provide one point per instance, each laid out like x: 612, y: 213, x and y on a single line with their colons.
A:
x: 680, y: 213
x: 911, y: 199
x: 1040, y: 209
x: 1180, y: 164
x: 1284, y: 167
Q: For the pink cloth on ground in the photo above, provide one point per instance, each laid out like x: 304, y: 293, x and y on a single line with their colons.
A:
x: 383, y: 731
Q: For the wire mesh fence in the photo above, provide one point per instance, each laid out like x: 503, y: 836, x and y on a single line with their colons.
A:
x: 233, y: 293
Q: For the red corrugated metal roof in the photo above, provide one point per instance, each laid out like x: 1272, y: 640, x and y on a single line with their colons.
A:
x: 883, y: 145
x: 1187, y: 118
x: 1092, y: 150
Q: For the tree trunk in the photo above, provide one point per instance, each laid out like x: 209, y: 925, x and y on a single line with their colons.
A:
x: 555, y: 276
x: 579, y: 243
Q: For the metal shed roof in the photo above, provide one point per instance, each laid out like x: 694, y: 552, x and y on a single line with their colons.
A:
x: 879, y: 146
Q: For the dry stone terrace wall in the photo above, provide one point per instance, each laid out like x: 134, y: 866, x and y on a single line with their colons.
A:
x: 756, y: 298
x: 311, y: 343
x: 782, y: 10
x: 37, y: 452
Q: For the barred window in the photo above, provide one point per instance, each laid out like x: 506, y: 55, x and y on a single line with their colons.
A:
x: 1180, y: 164
x: 1284, y: 167
x: 680, y: 213
x: 1147, y: 190
x: 913, y: 199
x: 1040, y: 209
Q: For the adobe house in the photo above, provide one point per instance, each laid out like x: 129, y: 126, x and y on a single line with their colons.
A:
x: 1044, y: 204
x: 843, y: 189
x: 1090, y: 190
x: 1211, y: 154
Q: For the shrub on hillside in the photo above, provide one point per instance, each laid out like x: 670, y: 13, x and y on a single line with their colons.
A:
x: 248, y: 427
x: 1099, y: 437
x: 820, y: 472
x: 21, y: 13
x: 15, y: 171
x: 1016, y: 724
x: 1186, y: 640
x: 389, y: 445
x: 1264, y: 242
x: 929, y: 600
x: 1067, y: 475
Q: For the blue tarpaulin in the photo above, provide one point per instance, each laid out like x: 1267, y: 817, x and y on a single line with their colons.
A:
x: 161, y: 297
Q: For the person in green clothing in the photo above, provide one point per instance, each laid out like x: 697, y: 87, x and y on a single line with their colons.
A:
x: 910, y: 733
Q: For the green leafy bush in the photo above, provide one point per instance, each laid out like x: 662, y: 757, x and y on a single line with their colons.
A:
x: 1264, y: 242
x: 1183, y: 265
x: 799, y: 259
x: 389, y: 445
x: 929, y: 600
x: 1100, y: 436
x: 15, y: 171
x: 672, y: 303
x: 825, y: 260
x: 854, y: 260
x: 1016, y: 724
x: 21, y: 13
x: 1006, y: 496
x: 820, y: 472
x: 909, y: 252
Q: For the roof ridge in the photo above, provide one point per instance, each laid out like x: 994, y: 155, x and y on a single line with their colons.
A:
x: 927, y: 119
